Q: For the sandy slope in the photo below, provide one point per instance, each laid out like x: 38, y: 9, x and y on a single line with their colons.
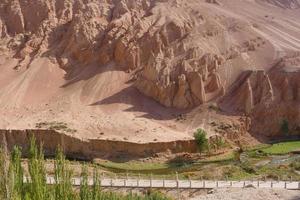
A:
x: 279, y: 26
x: 104, y: 103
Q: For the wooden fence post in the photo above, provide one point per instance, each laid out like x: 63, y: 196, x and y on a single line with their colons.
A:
x: 177, y: 182
x: 138, y: 181
x: 271, y: 184
x: 285, y: 185
x: 177, y: 185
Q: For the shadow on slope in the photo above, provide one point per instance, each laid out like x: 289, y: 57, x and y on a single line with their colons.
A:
x: 140, y: 103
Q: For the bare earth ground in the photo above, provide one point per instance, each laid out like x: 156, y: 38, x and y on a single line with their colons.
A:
x: 231, y: 194
x: 250, y: 194
x: 104, y: 106
x: 102, y: 103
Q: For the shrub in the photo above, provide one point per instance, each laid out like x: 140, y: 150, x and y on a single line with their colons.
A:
x: 285, y: 127
x: 247, y: 168
x: 201, y: 140
x: 295, y: 165
x: 181, y: 160
x: 237, y: 154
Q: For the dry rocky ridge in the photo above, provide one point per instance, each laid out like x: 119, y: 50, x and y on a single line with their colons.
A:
x: 81, y: 61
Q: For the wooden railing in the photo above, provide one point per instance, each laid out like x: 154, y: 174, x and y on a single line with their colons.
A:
x: 184, y: 184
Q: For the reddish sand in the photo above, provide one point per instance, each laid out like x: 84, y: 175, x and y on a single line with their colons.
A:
x: 100, y: 102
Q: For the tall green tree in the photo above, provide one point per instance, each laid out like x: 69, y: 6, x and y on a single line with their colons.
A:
x: 6, y: 185
x: 36, y: 168
x: 84, y: 187
x: 17, y: 173
x: 63, y: 177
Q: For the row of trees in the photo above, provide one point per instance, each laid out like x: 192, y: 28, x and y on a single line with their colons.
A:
x: 13, y: 186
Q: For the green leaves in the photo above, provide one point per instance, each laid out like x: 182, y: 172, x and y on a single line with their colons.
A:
x: 285, y: 127
x: 18, y: 174
x: 37, y: 185
x: 6, y: 185
x: 13, y: 187
x: 63, y: 178
x: 84, y: 188
x: 201, y: 140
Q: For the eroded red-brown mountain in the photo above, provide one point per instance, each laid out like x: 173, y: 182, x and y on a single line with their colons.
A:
x: 149, y: 70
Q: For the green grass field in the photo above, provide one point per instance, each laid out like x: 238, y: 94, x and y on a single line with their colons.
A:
x: 134, y: 166
x: 282, y: 148
x: 162, y: 168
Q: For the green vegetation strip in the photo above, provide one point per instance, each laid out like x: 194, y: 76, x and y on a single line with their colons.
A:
x: 13, y: 187
x: 282, y: 148
x: 163, y: 168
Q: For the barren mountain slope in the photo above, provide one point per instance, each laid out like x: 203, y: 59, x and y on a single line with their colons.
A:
x: 129, y: 69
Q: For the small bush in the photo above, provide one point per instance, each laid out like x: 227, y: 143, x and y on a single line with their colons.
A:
x: 285, y: 127
x: 248, y: 168
x: 181, y: 160
x: 237, y: 154
x: 201, y: 140
x: 296, y: 165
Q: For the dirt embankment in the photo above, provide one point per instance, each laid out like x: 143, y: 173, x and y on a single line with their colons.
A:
x: 89, y: 149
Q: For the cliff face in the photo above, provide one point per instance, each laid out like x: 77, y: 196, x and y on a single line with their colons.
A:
x: 90, y: 149
x: 178, y: 59
x: 269, y: 98
x: 285, y: 105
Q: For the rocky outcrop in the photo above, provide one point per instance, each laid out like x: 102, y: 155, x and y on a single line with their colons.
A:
x: 180, y: 53
x: 253, y: 88
x: 171, y: 56
x: 249, y: 104
x: 269, y: 98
